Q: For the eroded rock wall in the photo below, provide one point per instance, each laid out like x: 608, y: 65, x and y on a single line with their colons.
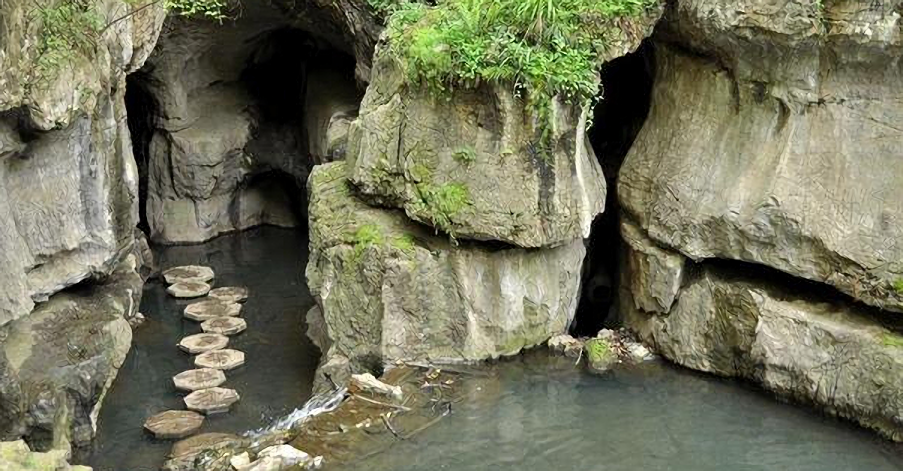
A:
x: 762, y: 201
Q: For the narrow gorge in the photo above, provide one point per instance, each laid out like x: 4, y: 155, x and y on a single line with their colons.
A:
x: 620, y: 234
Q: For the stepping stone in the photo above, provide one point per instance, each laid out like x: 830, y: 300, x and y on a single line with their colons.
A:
x: 211, y: 309
x: 188, y: 289
x: 200, y: 343
x: 185, y: 273
x: 203, y: 378
x: 226, y: 359
x: 212, y: 400
x: 174, y: 424
x: 225, y: 325
x: 230, y: 294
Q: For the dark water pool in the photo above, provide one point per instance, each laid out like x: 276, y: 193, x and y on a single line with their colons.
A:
x: 280, y: 360
x: 531, y: 415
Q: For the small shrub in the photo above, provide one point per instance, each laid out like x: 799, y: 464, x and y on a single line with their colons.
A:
x: 68, y: 28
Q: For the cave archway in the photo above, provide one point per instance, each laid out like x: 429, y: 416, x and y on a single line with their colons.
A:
x: 617, y: 119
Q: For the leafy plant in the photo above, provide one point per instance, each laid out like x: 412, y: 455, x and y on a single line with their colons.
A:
x: 598, y: 350
x: 212, y: 9
x: 465, y: 155
x: 543, y: 48
x: 892, y: 340
x: 67, y: 28
x: 441, y: 203
x: 365, y: 236
x: 898, y: 286
x: 405, y: 243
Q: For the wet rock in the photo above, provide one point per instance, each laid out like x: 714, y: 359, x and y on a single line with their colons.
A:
x: 278, y: 458
x: 230, y: 294
x: 240, y: 461
x: 225, y: 359
x: 57, y: 363
x: 390, y: 289
x: 368, y: 383
x: 188, y: 273
x: 211, y: 309
x: 225, y: 325
x: 188, y: 289
x: 174, y: 424
x: 333, y: 372
x: 16, y: 456
x: 183, y: 454
x: 136, y: 320
x: 200, y: 343
x: 600, y: 357
x: 566, y: 345
x: 835, y: 355
x: 202, y: 378
x: 212, y: 400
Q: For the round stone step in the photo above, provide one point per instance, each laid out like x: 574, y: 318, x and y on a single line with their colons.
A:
x: 212, y: 400
x: 211, y: 309
x: 184, y: 273
x: 202, y: 378
x: 225, y: 325
x: 230, y: 294
x: 200, y: 343
x: 188, y: 289
x: 226, y: 359
x: 174, y: 424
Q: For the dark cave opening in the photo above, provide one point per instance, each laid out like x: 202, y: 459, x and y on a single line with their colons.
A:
x: 142, y: 111
x: 617, y: 119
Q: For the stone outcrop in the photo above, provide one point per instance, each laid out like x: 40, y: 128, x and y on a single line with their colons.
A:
x: 390, y: 289
x: 57, y: 363
x: 835, y: 355
x: 773, y: 138
x: 16, y: 456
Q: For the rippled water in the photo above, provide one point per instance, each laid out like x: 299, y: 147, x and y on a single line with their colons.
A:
x: 531, y: 415
x: 280, y: 360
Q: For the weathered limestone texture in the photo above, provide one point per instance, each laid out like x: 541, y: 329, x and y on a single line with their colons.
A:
x: 15, y: 456
x: 835, y: 355
x: 774, y: 138
x: 390, y: 289
x: 57, y: 363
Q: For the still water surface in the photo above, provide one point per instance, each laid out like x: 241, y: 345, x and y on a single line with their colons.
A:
x: 528, y: 413
x: 279, y: 359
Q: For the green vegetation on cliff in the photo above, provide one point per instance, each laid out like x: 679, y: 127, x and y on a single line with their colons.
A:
x: 545, y: 48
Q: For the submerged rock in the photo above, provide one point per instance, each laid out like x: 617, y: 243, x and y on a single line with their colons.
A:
x: 390, y: 289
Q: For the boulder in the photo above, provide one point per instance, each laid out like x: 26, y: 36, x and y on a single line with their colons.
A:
x: 15, y: 456
x: 366, y: 382
x: 389, y: 288
x: 792, y: 159
x: 566, y: 345
x: 469, y: 165
x: 802, y: 344
x: 57, y: 363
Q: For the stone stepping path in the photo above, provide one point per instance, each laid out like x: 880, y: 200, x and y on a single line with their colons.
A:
x: 174, y: 424
x: 202, y: 378
x: 205, y: 441
x: 230, y: 294
x: 200, y: 343
x: 195, y: 273
x: 226, y: 359
x: 211, y: 309
x: 212, y: 400
x: 188, y: 289
x: 225, y: 325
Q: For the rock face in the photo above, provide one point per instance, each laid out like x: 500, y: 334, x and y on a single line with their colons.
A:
x: 477, y: 152
x: 16, y: 456
x: 57, y: 363
x: 237, y: 124
x: 390, y: 289
x: 792, y: 159
x: 837, y: 356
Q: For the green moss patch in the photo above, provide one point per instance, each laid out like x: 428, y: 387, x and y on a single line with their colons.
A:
x: 441, y: 203
x: 892, y: 340
x: 598, y: 351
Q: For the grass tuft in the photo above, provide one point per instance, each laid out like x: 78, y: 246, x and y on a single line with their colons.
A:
x: 442, y: 203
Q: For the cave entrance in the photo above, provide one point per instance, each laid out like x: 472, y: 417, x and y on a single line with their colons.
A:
x: 617, y: 119
x: 227, y: 122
